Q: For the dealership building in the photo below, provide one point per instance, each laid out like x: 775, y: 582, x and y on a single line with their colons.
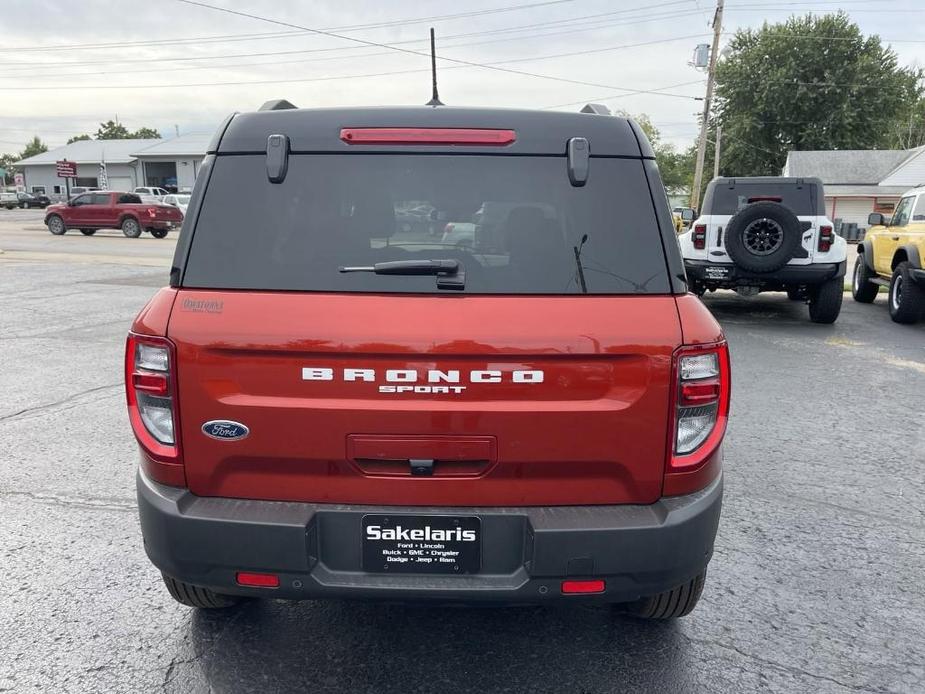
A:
x: 171, y: 164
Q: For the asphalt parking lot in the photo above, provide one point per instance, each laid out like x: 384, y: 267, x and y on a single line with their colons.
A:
x: 815, y: 586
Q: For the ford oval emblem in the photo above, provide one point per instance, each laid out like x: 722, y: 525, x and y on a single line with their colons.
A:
x: 225, y: 430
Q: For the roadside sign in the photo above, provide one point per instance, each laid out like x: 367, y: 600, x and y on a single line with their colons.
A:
x: 66, y: 169
x: 19, y: 180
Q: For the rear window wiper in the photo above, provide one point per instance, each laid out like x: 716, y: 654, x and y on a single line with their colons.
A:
x: 449, y: 272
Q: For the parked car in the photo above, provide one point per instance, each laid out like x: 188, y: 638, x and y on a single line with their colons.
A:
x: 30, y: 200
x: 329, y: 407
x: 151, y: 193
x: 9, y: 199
x: 80, y: 190
x: 891, y: 255
x: 767, y: 234
x: 109, y: 210
x: 180, y: 201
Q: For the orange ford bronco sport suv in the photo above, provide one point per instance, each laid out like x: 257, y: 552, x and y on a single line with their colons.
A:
x: 331, y: 401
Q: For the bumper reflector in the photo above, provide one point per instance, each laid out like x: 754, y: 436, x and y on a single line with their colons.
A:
x: 253, y: 580
x: 578, y: 587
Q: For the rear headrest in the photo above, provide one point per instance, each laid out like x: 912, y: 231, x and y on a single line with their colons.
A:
x: 528, y: 232
x: 372, y: 218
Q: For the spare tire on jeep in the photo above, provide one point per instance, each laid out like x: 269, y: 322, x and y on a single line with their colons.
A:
x: 763, y: 236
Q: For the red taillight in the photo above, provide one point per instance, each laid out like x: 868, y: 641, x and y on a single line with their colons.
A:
x: 573, y: 587
x: 155, y: 384
x: 427, y: 136
x: 700, y: 405
x: 254, y: 580
x: 150, y: 390
x: 826, y: 238
x: 700, y: 236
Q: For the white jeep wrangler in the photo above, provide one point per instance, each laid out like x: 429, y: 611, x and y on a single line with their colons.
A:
x: 767, y: 234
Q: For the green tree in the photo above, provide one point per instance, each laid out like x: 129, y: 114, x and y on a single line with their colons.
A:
x: 6, y: 162
x: 677, y: 172
x: 111, y: 130
x: 35, y: 146
x: 146, y: 134
x: 78, y: 138
x: 812, y: 82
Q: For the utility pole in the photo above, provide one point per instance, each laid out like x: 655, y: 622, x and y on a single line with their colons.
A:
x: 717, y: 150
x: 705, y: 122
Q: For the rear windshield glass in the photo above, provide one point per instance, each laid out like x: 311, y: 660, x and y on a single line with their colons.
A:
x: 801, y: 200
x: 513, y: 223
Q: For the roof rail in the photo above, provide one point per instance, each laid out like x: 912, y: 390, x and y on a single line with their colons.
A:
x: 597, y: 109
x: 277, y: 105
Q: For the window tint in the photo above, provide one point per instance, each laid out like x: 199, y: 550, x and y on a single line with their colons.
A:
x: 129, y: 198
x: 902, y: 212
x: 802, y: 200
x: 918, y: 212
x: 100, y: 199
x: 513, y: 222
x: 82, y: 200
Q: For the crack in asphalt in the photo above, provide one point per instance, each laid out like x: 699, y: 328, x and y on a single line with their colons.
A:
x: 790, y: 669
x: 24, y: 413
x: 96, y: 503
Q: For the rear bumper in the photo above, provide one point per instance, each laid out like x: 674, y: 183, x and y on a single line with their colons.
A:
x: 526, y: 552
x: 727, y: 274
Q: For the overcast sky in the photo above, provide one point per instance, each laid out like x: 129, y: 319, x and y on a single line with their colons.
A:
x: 52, y: 47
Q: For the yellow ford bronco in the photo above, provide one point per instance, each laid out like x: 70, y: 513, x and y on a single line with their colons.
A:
x: 891, y: 256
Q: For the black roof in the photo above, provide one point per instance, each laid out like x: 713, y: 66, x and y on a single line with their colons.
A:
x: 733, y: 182
x: 538, y: 132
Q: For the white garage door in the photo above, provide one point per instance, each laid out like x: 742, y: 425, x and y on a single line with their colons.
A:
x: 123, y: 185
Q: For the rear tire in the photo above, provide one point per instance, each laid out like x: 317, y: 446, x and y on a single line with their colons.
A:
x: 88, y: 232
x: 56, y: 225
x: 862, y: 289
x: 674, y: 603
x: 825, y: 301
x: 159, y: 233
x: 907, y: 299
x: 196, y: 596
x: 131, y: 228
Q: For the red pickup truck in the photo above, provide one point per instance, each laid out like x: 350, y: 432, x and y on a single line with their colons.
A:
x: 105, y: 210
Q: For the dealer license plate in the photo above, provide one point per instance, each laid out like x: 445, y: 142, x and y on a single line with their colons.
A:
x: 422, y: 544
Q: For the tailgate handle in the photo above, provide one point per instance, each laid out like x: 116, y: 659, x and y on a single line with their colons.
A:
x: 422, y: 467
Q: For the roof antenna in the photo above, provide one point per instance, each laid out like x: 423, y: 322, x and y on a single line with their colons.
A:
x: 435, y: 99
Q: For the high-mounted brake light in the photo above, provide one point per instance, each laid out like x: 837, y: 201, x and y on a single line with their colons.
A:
x: 700, y: 405
x: 150, y: 388
x: 700, y: 236
x: 428, y: 136
x: 826, y: 239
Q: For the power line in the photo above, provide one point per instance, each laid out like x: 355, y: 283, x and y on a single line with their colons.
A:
x: 570, y: 22
x: 458, y: 64
x: 620, y: 96
x: 233, y: 37
x: 579, y: 29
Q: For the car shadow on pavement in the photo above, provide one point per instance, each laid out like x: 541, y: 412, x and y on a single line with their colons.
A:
x: 372, y: 647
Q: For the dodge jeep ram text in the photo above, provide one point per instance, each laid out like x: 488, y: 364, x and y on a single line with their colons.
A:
x: 331, y: 402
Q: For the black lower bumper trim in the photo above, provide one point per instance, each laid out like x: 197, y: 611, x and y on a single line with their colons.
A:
x: 526, y: 551
x: 728, y: 275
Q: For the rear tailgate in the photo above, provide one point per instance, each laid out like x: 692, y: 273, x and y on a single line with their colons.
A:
x: 552, y: 404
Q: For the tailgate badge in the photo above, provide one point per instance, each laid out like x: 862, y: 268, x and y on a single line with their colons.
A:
x: 225, y: 430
